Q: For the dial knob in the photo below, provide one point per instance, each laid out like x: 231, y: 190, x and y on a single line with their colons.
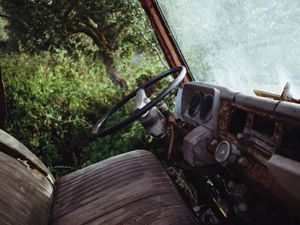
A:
x: 223, y: 152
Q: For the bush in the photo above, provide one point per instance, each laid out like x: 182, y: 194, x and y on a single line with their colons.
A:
x: 53, y: 100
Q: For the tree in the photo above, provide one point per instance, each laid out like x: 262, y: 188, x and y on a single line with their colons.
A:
x: 109, y: 23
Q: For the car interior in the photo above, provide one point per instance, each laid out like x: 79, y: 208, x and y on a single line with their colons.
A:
x: 240, y: 152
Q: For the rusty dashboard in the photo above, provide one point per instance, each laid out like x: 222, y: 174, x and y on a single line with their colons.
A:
x: 253, y: 137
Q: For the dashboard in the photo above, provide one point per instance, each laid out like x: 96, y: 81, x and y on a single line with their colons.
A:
x: 254, y: 137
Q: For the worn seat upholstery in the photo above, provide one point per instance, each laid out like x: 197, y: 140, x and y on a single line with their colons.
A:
x: 26, y: 185
x: 131, y: 188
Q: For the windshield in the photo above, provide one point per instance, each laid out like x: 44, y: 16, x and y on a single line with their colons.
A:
x: 244, y: 45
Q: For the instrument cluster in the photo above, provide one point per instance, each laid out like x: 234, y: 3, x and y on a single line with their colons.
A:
x: 200, y: 105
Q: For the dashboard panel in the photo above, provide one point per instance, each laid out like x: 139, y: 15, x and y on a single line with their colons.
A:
x: 230, y: 115
x: 256, y: 137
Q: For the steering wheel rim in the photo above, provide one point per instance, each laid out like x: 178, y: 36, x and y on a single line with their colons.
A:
x: 96, y: 132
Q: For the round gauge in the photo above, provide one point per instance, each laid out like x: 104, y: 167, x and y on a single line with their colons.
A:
x: 195, y: 102
x: 223, y: 152
x: 206, y: 107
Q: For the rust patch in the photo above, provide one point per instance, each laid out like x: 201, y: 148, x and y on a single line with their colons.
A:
x: 224, y: 116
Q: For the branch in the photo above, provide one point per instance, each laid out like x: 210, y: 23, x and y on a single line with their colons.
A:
x: 110, y: 9
x: 152, y: 45
x: 154, y: 48
x: 15, y: 18
x: 92, y: 25
x: 6, y: 16
x: 85, y: 30
x: 99, y: 11
x: 69, y: 9
x: 114, y: 40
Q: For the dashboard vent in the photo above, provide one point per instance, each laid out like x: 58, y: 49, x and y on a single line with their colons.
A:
x: 238, y: 121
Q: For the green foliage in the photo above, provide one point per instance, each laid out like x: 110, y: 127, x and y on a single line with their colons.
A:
x: 41, y: 24
x: 53, y: 100
x: 31, y: 22
x: 1, y: 30
x: 57, y: 84
x: 113, y: 27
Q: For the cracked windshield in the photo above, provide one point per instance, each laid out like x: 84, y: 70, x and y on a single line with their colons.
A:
x: 244, y: 45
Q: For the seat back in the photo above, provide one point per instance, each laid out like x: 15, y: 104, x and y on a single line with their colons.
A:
x: 26, y: 188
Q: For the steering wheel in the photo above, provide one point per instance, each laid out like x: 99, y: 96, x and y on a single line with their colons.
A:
x: 97, y: 132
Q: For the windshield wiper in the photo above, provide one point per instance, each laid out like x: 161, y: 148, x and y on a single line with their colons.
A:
x: 285, y: 95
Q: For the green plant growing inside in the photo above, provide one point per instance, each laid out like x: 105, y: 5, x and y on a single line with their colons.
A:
x: 55, y: 67
x: 53, y: 100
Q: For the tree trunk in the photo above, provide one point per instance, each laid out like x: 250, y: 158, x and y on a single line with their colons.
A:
x: 108, y: 61
x: 2, y: 103
x: 105, y: 53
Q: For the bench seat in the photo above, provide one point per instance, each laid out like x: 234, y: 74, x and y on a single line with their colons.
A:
x: 131, y: 188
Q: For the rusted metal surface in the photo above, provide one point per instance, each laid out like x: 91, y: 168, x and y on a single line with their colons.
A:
x: 280, y: 119
x: 275, y: 96
x: 224, y: 116
x: 25, y: 194
x: 259, y: 175
x: 163, y: 35
x: 127, y: 189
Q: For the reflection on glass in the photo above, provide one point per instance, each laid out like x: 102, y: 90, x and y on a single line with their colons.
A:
x: 240, y: 44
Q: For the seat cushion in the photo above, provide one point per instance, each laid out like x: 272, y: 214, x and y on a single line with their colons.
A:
x: 25, y: 193
x: 131, y: 188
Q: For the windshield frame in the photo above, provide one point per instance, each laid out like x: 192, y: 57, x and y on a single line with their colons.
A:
x: 165, y: 37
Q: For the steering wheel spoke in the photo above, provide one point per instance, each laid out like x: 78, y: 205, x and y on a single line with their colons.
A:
x: 141, y: 100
